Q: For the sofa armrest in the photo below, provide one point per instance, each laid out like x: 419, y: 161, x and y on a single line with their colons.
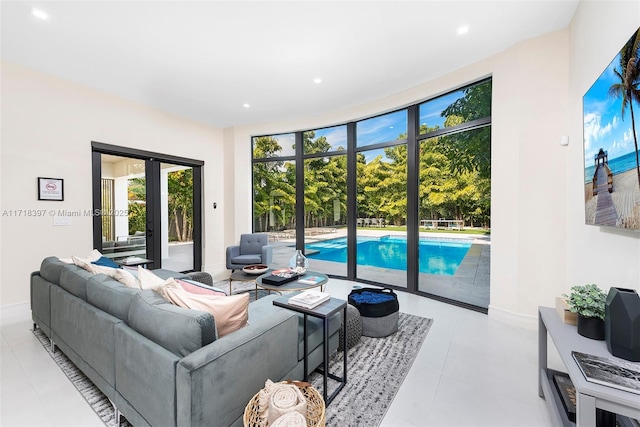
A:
x: 214, y: 383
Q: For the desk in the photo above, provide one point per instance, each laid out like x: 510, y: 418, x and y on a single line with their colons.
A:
x: 590, y: 396
x: 324, y: 311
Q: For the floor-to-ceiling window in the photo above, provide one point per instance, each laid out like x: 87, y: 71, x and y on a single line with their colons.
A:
x: 381, y: 200
x: 455, y: 195
x: 325, y: 199
x: 147, y: 206
x: 400, y: 199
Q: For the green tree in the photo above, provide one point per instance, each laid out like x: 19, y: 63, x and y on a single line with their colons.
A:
x: 628, y: 88
x: 325, y: 180
x: 137, y: 196
x: 273, y: 187
x: 137, y: 217
x: 180, y: 201
x: 469, y: 151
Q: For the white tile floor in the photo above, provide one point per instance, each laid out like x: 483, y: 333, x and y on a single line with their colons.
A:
x: 471, y: 371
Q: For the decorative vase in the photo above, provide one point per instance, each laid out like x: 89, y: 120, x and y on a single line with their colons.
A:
x: 299, y: 260
x: 622, y: 323
x: 591, y: 327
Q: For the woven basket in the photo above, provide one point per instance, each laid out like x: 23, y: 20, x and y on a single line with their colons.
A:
x: 315, y: 409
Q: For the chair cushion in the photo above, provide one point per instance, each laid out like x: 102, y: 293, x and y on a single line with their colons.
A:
x: 247, y: 259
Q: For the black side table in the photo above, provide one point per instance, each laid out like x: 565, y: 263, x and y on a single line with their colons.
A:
x: 134, y: 261
x: 324, y: 311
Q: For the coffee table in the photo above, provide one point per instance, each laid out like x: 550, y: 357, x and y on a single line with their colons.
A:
x: 241, y: 276
x: 292, y: 286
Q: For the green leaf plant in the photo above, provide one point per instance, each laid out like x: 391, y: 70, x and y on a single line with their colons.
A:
x: 587, y: 301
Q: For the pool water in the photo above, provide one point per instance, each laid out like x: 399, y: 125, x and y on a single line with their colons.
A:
x: 436, y: 256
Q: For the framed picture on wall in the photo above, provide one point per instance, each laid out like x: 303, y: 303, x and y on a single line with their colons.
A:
x: 50, y: 189
x: 611, y: 134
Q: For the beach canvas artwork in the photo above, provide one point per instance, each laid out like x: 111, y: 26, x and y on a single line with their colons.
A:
x: 611, y: 158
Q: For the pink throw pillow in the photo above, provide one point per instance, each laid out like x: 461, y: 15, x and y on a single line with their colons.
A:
x: 195, y: 289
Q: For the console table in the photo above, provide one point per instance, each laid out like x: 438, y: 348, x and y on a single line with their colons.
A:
x: 590, y: 396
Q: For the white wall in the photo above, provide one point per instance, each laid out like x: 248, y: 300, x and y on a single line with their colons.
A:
x: 47, y: 128
x: 605, y: 256
x: 540, y: 246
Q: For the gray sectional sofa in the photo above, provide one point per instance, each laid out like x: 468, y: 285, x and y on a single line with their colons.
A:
x: 160, y: 364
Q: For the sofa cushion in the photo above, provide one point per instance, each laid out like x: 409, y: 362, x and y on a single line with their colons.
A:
x: 230, y: 312
x: 73, y: 279
x: 110, y: 295
x: 51, y: 268
x: 179, y: 330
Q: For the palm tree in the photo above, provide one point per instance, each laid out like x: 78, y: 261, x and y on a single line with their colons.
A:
x: 629, y: 86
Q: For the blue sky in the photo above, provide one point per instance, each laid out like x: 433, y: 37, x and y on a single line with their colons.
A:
x: 378, y: 129
x: 604, y: 126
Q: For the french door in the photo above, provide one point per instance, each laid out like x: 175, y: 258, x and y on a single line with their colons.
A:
x: 147, y: 207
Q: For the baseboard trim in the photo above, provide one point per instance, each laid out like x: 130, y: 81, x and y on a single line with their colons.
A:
x: 512, y: 318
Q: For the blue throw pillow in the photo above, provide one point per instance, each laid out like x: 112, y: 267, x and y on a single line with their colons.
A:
x: 105, y: 262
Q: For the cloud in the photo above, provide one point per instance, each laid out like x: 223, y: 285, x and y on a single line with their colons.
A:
x: 594, y: 131
x: 620, y: 147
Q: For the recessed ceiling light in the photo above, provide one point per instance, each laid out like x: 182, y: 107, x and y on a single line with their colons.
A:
x: 39, y: 14
x: 245, y: 105
x: 463, y: 30
x: 317, y: 80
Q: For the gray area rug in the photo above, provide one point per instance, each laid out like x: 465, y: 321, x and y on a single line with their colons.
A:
x: 376, y: 368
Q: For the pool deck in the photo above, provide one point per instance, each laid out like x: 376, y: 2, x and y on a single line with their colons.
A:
x: 469, y: 284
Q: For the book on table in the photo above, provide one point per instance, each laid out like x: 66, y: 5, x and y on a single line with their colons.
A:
x: 311, y: 280
x: 309, y: 299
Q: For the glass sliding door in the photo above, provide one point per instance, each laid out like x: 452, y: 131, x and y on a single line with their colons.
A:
x: 147, y: 206
x: 123, y: 207
x: 176, y: 203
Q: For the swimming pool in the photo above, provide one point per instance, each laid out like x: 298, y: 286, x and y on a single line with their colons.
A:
x: 436, y: 256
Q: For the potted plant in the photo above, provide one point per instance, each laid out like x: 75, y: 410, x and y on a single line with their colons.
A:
x: 588, y: 301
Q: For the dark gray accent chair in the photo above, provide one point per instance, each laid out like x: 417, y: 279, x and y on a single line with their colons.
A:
x: 253, y: 249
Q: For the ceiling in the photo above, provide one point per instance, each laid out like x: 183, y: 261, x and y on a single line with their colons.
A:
x: 204, y: 59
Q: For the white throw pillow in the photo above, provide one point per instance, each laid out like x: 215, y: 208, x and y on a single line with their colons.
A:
x: 83, y: 263
x: 229, y: 312
x: 126, y: 278
x: 148, y: 280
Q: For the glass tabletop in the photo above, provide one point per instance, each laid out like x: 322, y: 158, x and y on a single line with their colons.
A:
x: 294, y: 285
